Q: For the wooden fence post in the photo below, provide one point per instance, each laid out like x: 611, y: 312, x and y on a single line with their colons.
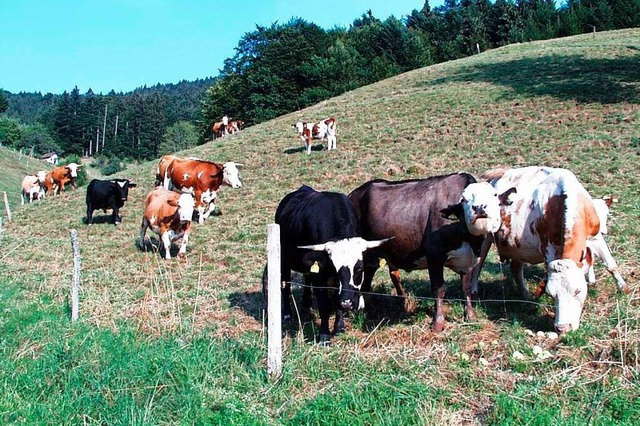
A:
x: 274, y: 354
x: 6, y: 205
x: 75, y: 284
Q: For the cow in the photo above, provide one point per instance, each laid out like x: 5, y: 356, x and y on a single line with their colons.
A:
x: 221, y: 128
x: 168, y: 213
x: 597, y: 247
x: 107, y: 194
x: 550, y: 219
x: 325, y: 129
x: 50, y: 187
x: 163, y: 164
x: 436, y: 222
x: 202, y: 179
x: 65, y: 174
x: 33, y: 187
x: 319, y: 238
x: 235, y: 126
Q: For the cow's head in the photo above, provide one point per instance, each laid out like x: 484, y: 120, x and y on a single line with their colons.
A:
x: 231, y: 174
x: 480, y: 204
x: 346, y: 255
x: 73, y: 169
x: 298, y: 127
x: 41, y: 175
x: 185, y: 205
x: 567, y: 285
x: 123, y: 186
x: 602, y: 210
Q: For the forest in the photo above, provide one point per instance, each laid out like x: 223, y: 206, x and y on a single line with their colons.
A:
x: 284, y: 67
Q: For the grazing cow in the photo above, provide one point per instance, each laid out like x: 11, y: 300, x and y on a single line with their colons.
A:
x: 107, y: 194
x: 33, y: 187
x: 597, y: 247
x: 319, y: 237
x: 202, y: 179
x: 163, y: 164
x: 550, y: 220
x: 168, y: 213
x: 221, y: 128
x: 65, y: 174
x: 436, y: 222
x: 323, y: 129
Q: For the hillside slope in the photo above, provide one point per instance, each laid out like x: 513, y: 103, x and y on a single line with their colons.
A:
x: 570, y: 103
x: 14, y: 167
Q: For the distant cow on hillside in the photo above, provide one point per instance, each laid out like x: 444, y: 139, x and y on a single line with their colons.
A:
x: 325, y: 129
x: 33, y: 187
x: 63, y: 175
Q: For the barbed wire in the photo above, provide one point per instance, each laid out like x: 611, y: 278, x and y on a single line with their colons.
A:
x: 426, y: 298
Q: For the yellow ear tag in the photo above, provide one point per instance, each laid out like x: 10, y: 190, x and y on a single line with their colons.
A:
x: 383, y: 262
x: 315, y: 268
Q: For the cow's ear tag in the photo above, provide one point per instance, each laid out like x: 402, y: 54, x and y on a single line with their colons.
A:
x: 315, y: 268
x: 383, y: 262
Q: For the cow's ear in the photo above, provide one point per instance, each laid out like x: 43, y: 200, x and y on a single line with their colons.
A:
x: 506, y: 198
x: 172, y: 203
x: 453, y: 212
x: 316, y: 261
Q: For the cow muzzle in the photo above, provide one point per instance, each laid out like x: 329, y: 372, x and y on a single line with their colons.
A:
x: 479, y: 212
x: 346, y: 304
x: 563, y: 328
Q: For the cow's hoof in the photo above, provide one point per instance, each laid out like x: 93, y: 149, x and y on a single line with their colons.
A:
x: 438, y: 327
x: 339, y: 328
x: 286, y: 317
x: 324, y: 339
x: 625, y: 290
x: 470, y: 315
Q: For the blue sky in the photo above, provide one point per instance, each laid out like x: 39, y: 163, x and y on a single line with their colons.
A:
x: 54, y: 45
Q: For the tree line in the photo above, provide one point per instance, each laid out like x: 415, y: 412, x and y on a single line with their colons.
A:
x: 284, y: 67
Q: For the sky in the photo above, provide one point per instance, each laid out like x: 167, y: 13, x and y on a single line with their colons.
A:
x: 55, y: 45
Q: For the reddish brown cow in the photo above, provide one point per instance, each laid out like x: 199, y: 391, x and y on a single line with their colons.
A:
x: 50, y: 187
x: 65, y: 174
x: 169, y: 215
x: 202, y: 179
x: 163, y: 164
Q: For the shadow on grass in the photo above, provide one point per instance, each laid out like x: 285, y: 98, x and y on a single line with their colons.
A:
x: 300, y: 149
x: 155, y: 245
x: 565, y: 77
x: 250, y: 302
x: 99, y: 219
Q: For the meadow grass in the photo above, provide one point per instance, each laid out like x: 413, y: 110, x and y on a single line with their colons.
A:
x: 183, y: 341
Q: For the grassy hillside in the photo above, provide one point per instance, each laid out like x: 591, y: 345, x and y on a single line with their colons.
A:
x: 194, y: 326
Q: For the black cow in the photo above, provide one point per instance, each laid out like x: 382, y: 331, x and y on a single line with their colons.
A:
x: 319, y: 238
x: 436, y: 222
x: 107, y: 194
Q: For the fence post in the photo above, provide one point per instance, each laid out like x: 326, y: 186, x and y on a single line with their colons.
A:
x: 6, y: 205
x: 274, y: 354
x: 75, y: 284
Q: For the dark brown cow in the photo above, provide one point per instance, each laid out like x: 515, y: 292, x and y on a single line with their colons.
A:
x: 202, y: 179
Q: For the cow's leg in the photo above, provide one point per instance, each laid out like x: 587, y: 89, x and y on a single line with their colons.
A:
x: 166, y: 242
x: 601, y: 250
x: 183, y: 246
x: 116, y: 215
x: 394, y: 273
x: 365, y: 289
x: 308, y: 144
x: 285, y: 290
x: 89, y: 214
x: 518, y: 277
x: 475, y: 272
x: 324, y: 309
x: 469, y: 313
x: 22, y: 198
x: 143, y: 231
x: 436, y: 276
x: 306, y: 293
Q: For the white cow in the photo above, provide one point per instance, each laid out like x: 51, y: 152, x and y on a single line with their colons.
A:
x: 33, y: 187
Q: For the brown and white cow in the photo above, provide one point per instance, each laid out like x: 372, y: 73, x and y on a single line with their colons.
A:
x: 168, y: 214
x: 221, y: 128
x: 33, y: 187
x: 325, y: 129
x: 597, y: 247
x: 235, y: 126
x: 549, y: 220
x: 63, y: 175
x: 161, y: 170
x: 202, y: 179
x: 50, y: 186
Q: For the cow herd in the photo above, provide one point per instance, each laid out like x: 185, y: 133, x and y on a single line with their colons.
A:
x: 533, y: 215
x: 43, y: 184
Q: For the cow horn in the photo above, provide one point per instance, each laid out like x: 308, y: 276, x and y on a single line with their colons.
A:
x: 377, y: 243
x: 316, y: 247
